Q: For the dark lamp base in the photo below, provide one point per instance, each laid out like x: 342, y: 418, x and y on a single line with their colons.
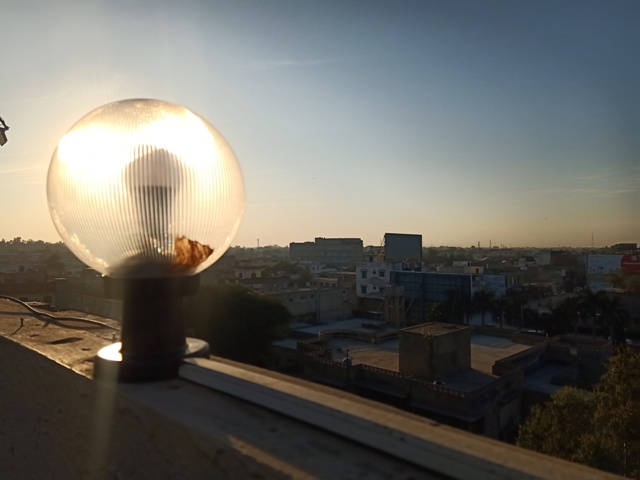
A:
x: 109, y: 365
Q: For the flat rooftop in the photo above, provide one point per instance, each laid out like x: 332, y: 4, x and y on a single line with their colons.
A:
x: 87, y: 333
x: 360, y: 324
x: 435, y: 329
x: 485, y: 351
x: 468, y: 380
x: 539, y: 379
x: 382, y: 355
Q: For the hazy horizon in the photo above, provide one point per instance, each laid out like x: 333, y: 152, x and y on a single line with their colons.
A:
x: 463, y: 121
x: 365, y: 245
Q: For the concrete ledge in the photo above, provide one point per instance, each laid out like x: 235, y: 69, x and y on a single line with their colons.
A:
x: 429, y: 445
x: 58, y: 424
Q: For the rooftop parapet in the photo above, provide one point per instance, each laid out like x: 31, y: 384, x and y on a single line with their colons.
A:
x: 219, y: 419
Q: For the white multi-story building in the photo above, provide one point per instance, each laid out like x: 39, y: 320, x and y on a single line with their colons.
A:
x: 372, y: 278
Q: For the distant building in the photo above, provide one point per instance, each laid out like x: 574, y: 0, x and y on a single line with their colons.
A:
x: 372, y: 279
x: 315, y: 305
x: 563, y: 258
x: 568, y: 360
x: 423, y: 288
x: 404, y: 251
x: 333, y: 252
x: 394, y: 285
x: 600, y: 268
x: 478, y: 379
x: 248, y: 271
x: 625, y: 247
x: 434, y: 351
x: 427, y: 369
x: 496, y: 284
x: 27, y: 285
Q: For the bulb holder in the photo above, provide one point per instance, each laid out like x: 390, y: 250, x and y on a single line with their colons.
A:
x: 153, y: 336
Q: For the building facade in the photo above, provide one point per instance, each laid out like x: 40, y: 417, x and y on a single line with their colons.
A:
x: 332, y: 252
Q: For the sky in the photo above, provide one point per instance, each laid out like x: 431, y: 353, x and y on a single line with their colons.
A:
x: 466, y: 121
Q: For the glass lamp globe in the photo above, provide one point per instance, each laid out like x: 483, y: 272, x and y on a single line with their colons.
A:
x: 144, y: 188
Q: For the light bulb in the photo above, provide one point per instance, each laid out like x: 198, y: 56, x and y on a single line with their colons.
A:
x: 145, y: 189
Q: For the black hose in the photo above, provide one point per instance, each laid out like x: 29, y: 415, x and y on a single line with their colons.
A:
x: 56, y: 318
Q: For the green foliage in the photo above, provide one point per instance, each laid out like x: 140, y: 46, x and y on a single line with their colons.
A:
x: 599, y: 428
x: 560, y: 427
x: 626, y: 281
x: 598, y: 309
x: 237, y: 323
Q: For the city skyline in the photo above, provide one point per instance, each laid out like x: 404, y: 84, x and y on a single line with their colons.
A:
x: 465, y: 122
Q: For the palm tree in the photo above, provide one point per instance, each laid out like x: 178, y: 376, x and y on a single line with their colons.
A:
x: 500, y: 305
x: 565, y: 315
x: 614, y: 317
x: 603, y: 310
x: 483, y: 302
x: 453, y: 309
x: 516, y: 300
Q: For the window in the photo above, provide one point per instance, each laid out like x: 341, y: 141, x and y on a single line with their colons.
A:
x: 363, y: 274
x: 381, y: 289
x: 381, y: 273
x: 363, y: 289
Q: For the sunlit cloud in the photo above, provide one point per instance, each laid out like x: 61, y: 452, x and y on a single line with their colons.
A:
x: 612, y: 193
x: 607, y: 173
x: 607, y: 182
x: 39, y: 100
x: 265, y: 65
x: 23, y: 174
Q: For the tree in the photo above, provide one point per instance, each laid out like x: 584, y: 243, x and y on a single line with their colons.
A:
x: 499, y: 306
x: 614, y: 317
x: 617, y: 416
x: 516, y: 300
x: 452, y: 310
x: 54, y: 264
x: 455, y: 307
x: 483, y: 302
x: 560, y: 427
x: 435, y: 312
x: 237, y: 323
x: 588, y: 306
x: 565, y: 316
x: 626, y: 281
x: 600, y: 428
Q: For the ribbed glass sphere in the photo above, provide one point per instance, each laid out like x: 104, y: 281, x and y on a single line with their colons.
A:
x: 144, y: 189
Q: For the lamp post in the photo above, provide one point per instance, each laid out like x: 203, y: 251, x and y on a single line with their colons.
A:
x: 148, y: 194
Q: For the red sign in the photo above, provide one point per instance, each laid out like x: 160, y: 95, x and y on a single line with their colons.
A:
x: 630, y: 263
